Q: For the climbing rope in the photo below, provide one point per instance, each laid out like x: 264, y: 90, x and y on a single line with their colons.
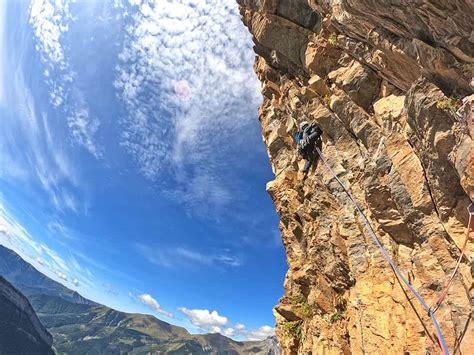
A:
x: 442, y: 343
x: 441, y: 297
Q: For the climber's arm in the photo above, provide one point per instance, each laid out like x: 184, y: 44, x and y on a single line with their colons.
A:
x: 314, y: 136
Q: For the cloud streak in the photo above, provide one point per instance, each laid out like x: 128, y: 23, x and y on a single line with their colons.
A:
x: 51, y: 21
x: 172, y: 257
x: 35, y: 154
x: 153, y: 304
x: 15, y: 236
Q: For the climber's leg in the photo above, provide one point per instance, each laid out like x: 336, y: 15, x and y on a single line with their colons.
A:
x: 307, y: 165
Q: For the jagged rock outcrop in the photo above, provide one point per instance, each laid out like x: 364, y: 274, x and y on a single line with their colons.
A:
x: 390, y: 83
x: 21, y: 332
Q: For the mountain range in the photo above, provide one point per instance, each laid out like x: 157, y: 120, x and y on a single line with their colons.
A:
x: 81, y: 326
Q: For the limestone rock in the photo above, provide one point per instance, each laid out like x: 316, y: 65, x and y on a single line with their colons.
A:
x: 390, y: 83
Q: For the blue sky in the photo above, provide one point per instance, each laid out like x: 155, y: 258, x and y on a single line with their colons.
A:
x: 131, y: 162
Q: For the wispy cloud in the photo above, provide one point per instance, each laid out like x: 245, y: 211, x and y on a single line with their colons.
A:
x: 55, y: 259
x: 186, y: 257
x: 50, y: 20
x: 15, y: 236
x: 59, y: 229
x: 3, y: 51
x: 190, y: 93
x: 110, y: 289
x: 31, y: 154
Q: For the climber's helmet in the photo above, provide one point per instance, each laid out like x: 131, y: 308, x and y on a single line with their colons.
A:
x: 303, y: 125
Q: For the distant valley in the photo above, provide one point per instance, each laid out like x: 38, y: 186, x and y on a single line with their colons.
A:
x: 81, y: 326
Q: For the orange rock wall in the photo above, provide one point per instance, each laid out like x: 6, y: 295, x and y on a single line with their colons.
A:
x: 390, y: 83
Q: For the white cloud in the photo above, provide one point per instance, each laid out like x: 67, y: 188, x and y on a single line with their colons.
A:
x: 228, y: 332
x: 215, y: 329
x: 261, y: 333
x: 61, y: 275
x: 50, y: 20
x: 83, y: 127
x: 213, y: 322
x: 240, y: 327
x: 204, y: 319
x: 185, y: 75
x: 153, y: 304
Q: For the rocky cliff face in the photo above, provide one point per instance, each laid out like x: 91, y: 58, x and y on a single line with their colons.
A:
x: 21, y: 332
x: 390, y: 83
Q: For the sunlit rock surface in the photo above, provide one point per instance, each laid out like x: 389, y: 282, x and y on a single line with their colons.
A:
x: 390, y: 83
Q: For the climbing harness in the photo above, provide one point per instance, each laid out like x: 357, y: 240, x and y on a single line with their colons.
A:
x: 442, y: 343
x: 441, y: 297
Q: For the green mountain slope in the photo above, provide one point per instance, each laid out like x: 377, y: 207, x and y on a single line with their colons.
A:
x: 87, y: 329
x: 80, y: 326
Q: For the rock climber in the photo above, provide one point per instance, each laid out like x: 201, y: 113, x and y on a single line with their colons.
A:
x: 307, y: 139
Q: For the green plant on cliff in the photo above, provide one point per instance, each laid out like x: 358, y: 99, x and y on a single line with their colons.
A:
x: 304, y: 309
x: 449, y: 104
x: 301, y: 306
x: 332, y: 39
x: 297, y: 299
x: 327, y: 99
x: 337, y: 315
x: 293, y: 329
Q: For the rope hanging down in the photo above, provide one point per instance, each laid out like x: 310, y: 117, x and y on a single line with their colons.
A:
x: 440, y: 300
x: 441, y: 340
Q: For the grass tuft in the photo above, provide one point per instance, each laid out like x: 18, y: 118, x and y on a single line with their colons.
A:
x: 449, y: 104
x: 293, y: 329
x: 337, y: 315
x: 327, y: 99
x: 332, y: 39
x: 301, y: 306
